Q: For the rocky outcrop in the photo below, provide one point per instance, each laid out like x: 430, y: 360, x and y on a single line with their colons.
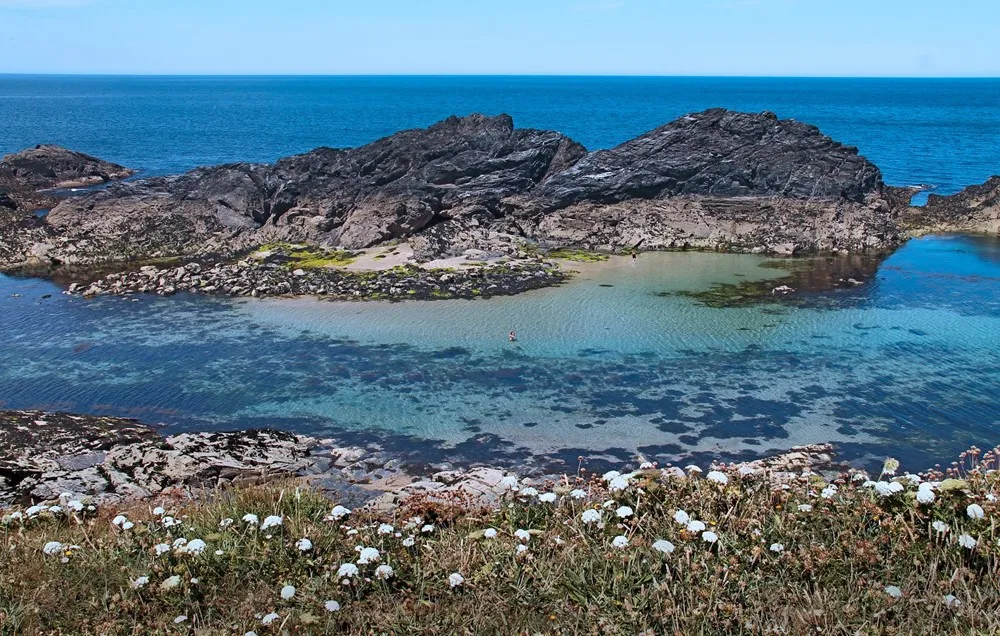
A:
x: 712, y: 180
x: 974, y: 209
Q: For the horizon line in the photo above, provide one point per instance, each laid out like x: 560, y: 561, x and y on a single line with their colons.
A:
x: 503, y: 75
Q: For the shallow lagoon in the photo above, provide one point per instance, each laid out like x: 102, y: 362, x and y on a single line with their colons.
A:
x: 614, y: 364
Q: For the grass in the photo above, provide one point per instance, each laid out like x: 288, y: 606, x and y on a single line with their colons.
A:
x: 840, y: 550
x: 307, y: 256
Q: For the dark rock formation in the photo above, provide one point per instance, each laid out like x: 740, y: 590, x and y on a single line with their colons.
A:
x: 974, y: 209
x: 712, y: 180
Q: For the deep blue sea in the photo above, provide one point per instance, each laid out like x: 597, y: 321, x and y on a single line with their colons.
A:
x: 612, y: 366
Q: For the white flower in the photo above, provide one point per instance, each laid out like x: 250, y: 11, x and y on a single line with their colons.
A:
x: 717, y: 476
x: 624, y: 512
x: 55, y: 510
x: 620, y: 541
x: 385, y: 528
x: 664, y: 546
x: 410, y: 540
x: 250, y: 634
x: 271, y: 522
x: 529, y: 492
x: 549, y: 497
x: 35, y: 510
x: 611, y: 475
x: 383, y: 572
x: 951, y: 602
x: 893, y: 591
x: 179, y: 543
x: 117, y: 521
x: 428, y: 528
x: 975, y: 511
x: 180, y: 619
x: 829, y: 492
x: 76, y: 506
x: 578, y: 494
x: 674, y: 472
x: 940, y: 527
x: 161, y: 548
x: 128, y: 525
x: 170, y: 522
x: 225, y: 523
x: 455, y: 579
x: 805, y: 508
x: 590, y: 516
x: 522, y: 535
x: 509, y: 482
x: 338, y: 513
x: 251, y: 519
x: 170, y: 582
x: 990, y: 497
x: 709, y: 537
x: 967, y: 541
x: 368, y: 555
x: 520, y: 549
x: 888, y: 488
x: 332, y: 606
x: 347, y: 570
x: 270, y: 618
x: 195, y: 546
x: 925, y: 493
x: 304, y: 544
x: 52, y: 548
x: 647, y: 466
x: 692, y: 469
x: 287, y: 592
x: 489, y: 533
x: 745, y: 471
x: 682, y: 517
x: 618, y: 484
x: 140, y: 582
x: 219, y: 553
x: 607, y: 505
x: 913, y: 479
x: 777, y: 548
x: 695, y: 526
x: 194, y: 581
x: 159, y: 511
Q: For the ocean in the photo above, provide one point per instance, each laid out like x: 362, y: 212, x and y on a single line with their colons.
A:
x: 620, y: 363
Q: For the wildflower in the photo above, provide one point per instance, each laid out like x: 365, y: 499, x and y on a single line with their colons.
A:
x: 170, y: 522
x: 520, y: 549
x: 618, y: 484
x: 745, y: 471
x: 829, y: 491
x: 270, y: 618
x: 489, y: 533
x: 608, y: 504
x: 140, y: 582
x: 692, y: 469
x: 368, y: 555
x: 347, y: 570
x: 925, y: 493
x: 179, y: 543
x: 128, y: 525
x: 805, y: 508
x: 522, y: 535
x: 385, y: 528
x: 624, y: 512
x: 332, y: 606
x: 219, y: 553
x: 620, y: 541
x: 159, y: 511
x: 674, y: 472
x: 709, y: 537
x: 893, y: 591
x: 338, y: 513
x: 74, y: 505
x: 170, y: 582
x: 975, y: 511
x: 913, y: 479
x: 890, y: 466
x: 180, y: 619
x: 940, y: 527
x: 529, y: 492
x: 455, y: 579
x: 611, y: 475
x: 225, y: 523
x: 383, y: 572
x: 287, y: 592
x: 549, y: 497
x: 52, y: 548
x: 427, y: 529
x: 578, y: 494
x: 951, y: 602
x: 694, y: 526
x: 888, y: 488
x: 195, y: 546
x: 34, y: 511
x: 777, y: 548
x: 161, y: 548
x: 509, y: 482
x: 250, y: 634
x: 272, y: 521
x: 55, y: 510
x: 682, y: 517
x: 990, y: 497
x: 590, y: 516
x: 967, y: 541
x: 664, y: 546
x: 410, y: 540
x: 647, y: 466
x: 304, y: 545
x: 251, y: 519
x: 717, y: 476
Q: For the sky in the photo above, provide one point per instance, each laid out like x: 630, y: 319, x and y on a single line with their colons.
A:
x: 883, y: 38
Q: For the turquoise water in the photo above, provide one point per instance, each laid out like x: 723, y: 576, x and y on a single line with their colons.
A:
x: 608, y: 366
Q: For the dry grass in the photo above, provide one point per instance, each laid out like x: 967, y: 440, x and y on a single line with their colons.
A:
x: 831, y: 578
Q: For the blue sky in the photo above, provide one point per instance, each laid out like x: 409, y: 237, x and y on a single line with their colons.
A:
x: 601, y: 37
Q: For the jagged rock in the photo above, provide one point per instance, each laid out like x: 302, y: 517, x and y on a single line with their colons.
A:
x: 974, y: 209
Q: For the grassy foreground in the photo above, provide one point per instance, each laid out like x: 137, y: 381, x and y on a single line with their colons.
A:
x: 652, y: 552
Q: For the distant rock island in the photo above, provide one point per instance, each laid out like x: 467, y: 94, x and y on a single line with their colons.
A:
x: 714, y: 180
